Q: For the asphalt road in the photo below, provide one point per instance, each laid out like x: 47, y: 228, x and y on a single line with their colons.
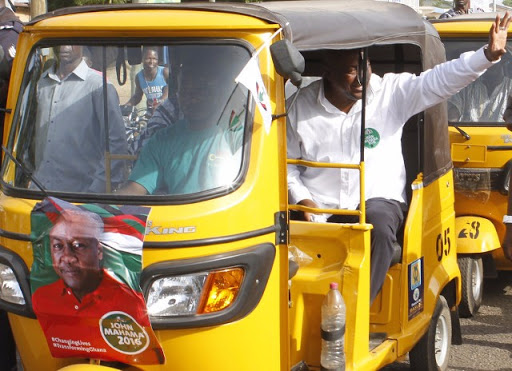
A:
x: 487, y: 337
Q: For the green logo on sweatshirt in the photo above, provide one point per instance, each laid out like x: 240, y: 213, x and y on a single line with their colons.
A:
x: 371, y: 138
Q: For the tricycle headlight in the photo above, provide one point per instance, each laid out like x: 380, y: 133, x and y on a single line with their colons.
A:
x: 208, y: 290
x: 193, y: 294
x: 10, y: 289
x: 174, y: 296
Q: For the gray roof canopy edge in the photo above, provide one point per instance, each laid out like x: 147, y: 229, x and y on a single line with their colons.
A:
x: 312, y: 24
x: 236, y: 8
x: 345, y: 24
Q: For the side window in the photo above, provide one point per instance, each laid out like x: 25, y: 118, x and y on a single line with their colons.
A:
x: 485, y: 99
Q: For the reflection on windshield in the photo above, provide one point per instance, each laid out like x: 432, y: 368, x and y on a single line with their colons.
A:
x: 70, y: 126
x: 176, y: 126
x: 485, y: 99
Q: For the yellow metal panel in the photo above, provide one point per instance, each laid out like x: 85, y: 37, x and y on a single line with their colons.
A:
x: 151, y: 19
x: 260, y: 330
x: 469, y: 153
x: 32, y: 347
x: 463, y: 29
x: 381, y: 310
x: 258, y: 341
x: 339, y: 255
x: 429, y: 233
x: 498, y: 137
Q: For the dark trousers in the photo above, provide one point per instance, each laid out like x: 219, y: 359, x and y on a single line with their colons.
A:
x: 387, y: 217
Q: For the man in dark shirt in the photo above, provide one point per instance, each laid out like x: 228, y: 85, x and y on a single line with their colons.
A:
x: 460, y: 7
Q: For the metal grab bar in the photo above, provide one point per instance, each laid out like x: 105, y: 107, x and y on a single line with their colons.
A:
x: 362, y: 202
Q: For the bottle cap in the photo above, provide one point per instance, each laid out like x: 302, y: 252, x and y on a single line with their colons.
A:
x: 333, y: 285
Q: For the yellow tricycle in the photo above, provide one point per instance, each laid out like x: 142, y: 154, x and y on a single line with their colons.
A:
x: 227, y: 280
x: 481, y: 151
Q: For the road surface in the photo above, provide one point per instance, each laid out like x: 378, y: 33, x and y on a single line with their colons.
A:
x: 487, y: 337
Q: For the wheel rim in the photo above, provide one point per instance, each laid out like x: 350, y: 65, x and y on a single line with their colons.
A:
x: 476, y: 279
x: 441, y: 343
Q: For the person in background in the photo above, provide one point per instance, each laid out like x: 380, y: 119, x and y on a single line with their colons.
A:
x: 460, y: 7
x: 324, y: 126
x: 199, y: 151
x: 151, y: 81
x: 71, y: 129
x: 10, y: 27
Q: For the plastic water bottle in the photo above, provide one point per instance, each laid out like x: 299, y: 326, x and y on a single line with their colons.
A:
x: 333, y: 330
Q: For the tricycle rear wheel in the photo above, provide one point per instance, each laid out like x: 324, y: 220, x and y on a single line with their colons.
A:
x: 432, y: 352
x: 472, y: 272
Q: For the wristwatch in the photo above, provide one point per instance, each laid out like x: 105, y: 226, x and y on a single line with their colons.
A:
x: 507, y: 219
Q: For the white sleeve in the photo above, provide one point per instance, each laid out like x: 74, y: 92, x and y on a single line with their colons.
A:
x: 297, y: 191
x: 437, y: 84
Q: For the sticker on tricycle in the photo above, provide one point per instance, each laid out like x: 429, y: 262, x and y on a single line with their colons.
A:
x: 122, y: 333
x: 416, y: 288
x: 85, y: 281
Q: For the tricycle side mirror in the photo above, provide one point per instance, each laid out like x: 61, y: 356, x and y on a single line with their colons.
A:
x: 288, y: 61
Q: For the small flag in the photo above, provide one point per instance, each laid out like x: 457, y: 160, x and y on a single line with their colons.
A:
x: 250, y: 77
x: 235, y: 124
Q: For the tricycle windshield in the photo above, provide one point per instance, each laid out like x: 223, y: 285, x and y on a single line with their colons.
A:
x: 131, y: 118
x: 484, y: 100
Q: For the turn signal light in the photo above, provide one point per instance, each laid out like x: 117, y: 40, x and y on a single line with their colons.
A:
x: 221, y: 290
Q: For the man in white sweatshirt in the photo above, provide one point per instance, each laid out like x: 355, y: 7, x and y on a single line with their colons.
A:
x: 324, y: 126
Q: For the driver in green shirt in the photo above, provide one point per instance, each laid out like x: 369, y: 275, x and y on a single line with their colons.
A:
x: 200, y: 151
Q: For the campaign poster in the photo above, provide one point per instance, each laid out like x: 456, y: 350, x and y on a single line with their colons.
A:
x: 85, y: 281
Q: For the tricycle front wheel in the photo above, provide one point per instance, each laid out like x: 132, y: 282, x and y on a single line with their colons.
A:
x: 432, y: 352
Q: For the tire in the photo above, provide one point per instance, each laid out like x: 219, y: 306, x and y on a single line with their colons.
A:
x: 432, y: 352
x: 472, y: 272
